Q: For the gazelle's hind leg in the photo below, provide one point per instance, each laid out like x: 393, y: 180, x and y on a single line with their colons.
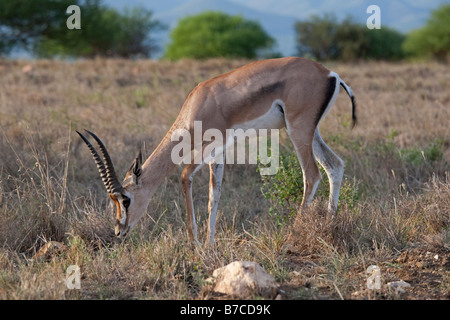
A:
x: 215, y: 187
x: 334, y: 167
x: 311, y: 175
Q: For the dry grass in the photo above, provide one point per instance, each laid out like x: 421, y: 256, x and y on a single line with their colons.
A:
x: 397, y: 163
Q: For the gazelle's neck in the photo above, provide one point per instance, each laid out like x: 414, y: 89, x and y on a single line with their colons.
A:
x: 158, y: 165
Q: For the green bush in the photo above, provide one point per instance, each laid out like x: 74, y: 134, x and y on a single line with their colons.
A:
x: 316, y: 37
x: 420, y: 156
x: 433, y: 40
x: 385, y: 44
x: 216, y: 34
x: 352, y: 40
x: 324, y: 38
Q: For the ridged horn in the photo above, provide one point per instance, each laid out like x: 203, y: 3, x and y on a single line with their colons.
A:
x: 105, y: 166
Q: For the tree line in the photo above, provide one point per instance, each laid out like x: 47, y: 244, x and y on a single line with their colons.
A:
x: 39, y: 26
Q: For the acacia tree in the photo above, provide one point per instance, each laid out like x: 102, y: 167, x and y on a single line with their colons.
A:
x: 22, y: 22
x: 40, y: 27
x: 216, y: 34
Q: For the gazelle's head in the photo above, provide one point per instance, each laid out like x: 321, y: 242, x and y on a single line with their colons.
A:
x: 130, y: 203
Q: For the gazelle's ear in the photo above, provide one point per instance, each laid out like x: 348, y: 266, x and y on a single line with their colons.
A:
x: 135, y: 170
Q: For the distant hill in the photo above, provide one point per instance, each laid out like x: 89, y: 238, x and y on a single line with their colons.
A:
x: 402, y: 15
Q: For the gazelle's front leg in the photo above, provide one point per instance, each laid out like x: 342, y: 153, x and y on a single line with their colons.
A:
x: 215, y: 186
x: 186, y: 180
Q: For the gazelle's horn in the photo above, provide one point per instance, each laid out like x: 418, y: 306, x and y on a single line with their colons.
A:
x: 105, y: 167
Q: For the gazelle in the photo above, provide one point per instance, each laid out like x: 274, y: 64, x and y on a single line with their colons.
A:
x: 291, y: 92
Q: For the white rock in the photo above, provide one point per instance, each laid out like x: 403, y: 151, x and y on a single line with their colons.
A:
x: 398, y: 286
x: 244, y: 280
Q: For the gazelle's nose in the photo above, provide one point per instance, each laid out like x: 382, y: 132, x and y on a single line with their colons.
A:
x: 121, y: 230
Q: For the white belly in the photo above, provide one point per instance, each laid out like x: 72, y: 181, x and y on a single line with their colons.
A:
x: 272, y: 119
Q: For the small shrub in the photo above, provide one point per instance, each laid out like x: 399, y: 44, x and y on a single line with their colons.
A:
x: 419, y: 156
x: 284, y: 190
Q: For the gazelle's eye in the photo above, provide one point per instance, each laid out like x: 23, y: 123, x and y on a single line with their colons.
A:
x: 126, y: 202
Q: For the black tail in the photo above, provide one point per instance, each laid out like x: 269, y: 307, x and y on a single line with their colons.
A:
x: 352, y: 98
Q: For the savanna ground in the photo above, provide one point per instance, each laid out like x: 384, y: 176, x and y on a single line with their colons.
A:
x: 394, y: 207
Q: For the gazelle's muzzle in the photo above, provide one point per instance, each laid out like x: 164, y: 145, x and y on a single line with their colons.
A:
x: 121, y: 230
